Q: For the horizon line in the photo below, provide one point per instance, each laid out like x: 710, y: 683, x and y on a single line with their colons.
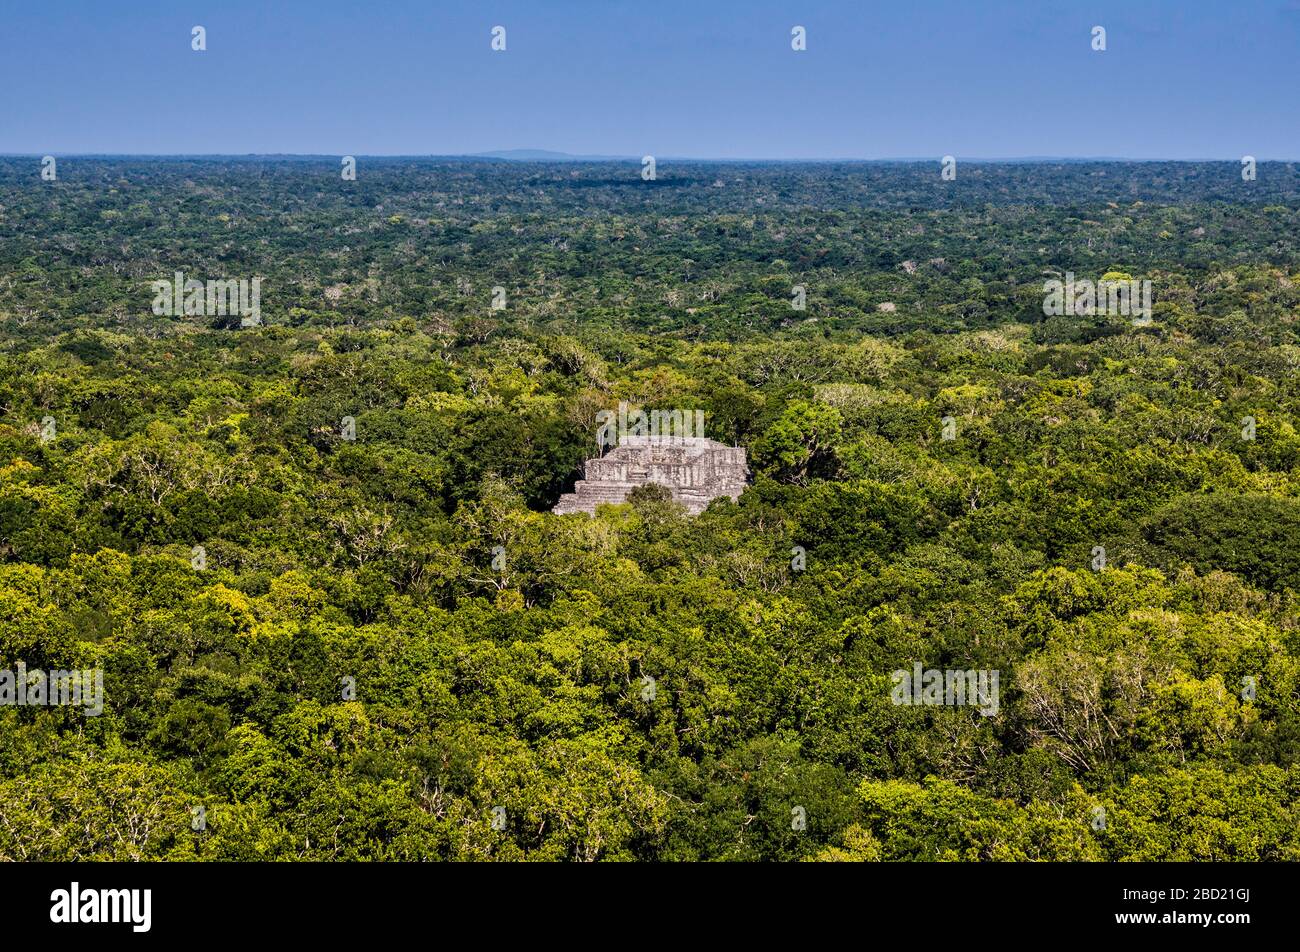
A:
x: 548, y: 157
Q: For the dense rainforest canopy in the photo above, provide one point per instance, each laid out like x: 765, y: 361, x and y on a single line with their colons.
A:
x: 378, y: 643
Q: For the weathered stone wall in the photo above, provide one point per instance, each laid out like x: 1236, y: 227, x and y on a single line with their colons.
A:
x: 696, y: 470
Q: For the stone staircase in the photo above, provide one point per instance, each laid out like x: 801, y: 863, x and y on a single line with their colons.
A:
x: 587, y: 495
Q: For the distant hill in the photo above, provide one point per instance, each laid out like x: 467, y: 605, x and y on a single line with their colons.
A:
x: 545, y: 155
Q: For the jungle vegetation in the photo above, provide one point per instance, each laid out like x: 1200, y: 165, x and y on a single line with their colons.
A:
x: 1160, y: 692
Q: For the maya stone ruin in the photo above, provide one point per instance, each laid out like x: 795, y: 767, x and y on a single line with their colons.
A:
x: 696, y: 471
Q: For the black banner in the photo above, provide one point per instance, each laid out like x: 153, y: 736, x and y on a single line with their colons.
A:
x: 140, y: 902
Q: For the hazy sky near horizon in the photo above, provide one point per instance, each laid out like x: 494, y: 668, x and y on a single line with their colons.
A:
x: 706, y: 78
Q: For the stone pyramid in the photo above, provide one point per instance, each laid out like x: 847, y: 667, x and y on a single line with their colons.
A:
x: 696, y: 470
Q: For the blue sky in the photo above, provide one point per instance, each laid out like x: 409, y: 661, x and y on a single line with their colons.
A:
x: 707, y: 78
